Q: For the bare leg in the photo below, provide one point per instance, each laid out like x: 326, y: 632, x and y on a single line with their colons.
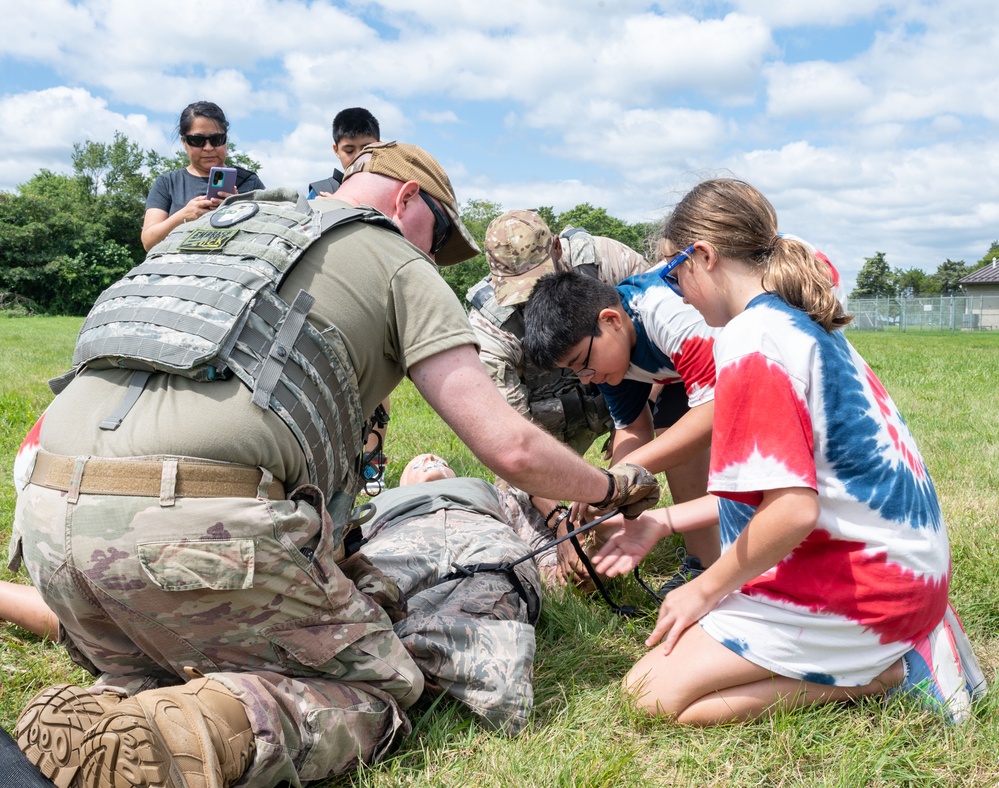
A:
x: 701, y: 682
x: 687, y: 482
x: 23, y: 605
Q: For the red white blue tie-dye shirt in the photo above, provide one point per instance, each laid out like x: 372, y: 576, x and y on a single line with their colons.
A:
x: 796, y: 406
x: 673, y: 344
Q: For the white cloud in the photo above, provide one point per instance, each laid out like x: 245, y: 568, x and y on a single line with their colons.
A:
x: 791, y: 13
x: 814, y: 89
x: 446, y: 116
x: 40, y: 127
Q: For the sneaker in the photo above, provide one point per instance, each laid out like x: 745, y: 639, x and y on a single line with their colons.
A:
x: 933, y: 674
x: 689, y: 568
x: 196, y: 735
x: 975, y: 677
x: 52, y: 725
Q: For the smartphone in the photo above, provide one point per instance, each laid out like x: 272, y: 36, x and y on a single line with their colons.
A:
x: 221, y: 179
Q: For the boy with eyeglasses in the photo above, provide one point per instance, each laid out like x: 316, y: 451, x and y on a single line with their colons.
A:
x: 626, y: 339
x: 520, y: 248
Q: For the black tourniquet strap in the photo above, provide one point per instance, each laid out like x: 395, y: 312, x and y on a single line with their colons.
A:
x: 507, y: 567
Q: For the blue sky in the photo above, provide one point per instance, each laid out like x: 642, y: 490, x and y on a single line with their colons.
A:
x: 870, y: 125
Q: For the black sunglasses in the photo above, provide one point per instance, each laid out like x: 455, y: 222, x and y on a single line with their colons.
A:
x: 442, y: 225
x: 199, y: 140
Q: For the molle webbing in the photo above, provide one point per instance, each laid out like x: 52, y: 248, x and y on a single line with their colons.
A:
x: 509, y: 318
x: 205, y: 305
x: 204, y: 338
x: 327, y: 420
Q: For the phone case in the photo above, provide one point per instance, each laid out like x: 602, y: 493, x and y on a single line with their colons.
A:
x: 221, y: 179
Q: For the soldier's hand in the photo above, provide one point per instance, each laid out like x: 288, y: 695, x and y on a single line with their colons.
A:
x: 634, y: 490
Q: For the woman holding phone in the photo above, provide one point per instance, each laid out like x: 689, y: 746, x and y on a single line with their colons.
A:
x: 182, y: 195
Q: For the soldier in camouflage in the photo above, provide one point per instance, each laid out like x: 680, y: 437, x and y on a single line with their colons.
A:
x: 520, y: 249
x: 472, y: 637
x: 180, y: 529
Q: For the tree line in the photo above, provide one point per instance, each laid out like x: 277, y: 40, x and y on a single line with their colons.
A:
x: 878, y: 280
x: 65, y: 238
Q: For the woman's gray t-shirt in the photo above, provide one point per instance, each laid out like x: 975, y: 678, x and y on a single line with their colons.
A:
x: 172, y: 190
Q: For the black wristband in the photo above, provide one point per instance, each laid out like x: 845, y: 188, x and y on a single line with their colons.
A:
x: 611, y: 489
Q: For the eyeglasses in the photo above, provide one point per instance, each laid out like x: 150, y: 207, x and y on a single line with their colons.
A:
x: 585, y: 371
x: 199, y: 140
x: 668, y: 274
x: 442, y: 225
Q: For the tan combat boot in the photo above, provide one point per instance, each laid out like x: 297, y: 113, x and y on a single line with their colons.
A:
x: 51, y: 727
x: 192, y: 736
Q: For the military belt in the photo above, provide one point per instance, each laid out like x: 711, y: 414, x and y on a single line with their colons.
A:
x: 156, y: 477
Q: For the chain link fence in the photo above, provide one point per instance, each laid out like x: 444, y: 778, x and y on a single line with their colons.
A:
x: 939, y: 313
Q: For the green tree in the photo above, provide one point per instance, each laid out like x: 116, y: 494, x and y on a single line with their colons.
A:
x: 597, y: 221
x: 990, y: 255
x: 948, y: 273
x: 112, y: 168
x: 49, y: 225
x: 159, y: 164
x: 914, y: 283
x: 63, y: 239
x: 547, y: 213
x: 117, y: 183
x: 476, y: 216
x: 875, y: 279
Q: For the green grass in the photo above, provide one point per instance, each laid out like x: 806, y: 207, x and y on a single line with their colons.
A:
x: 582, y: 733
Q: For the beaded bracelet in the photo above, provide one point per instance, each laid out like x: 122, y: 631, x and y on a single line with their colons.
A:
x: 559, y: 507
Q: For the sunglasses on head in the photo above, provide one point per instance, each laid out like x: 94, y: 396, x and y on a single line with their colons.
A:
x: 199, y: 140
x: 442, y: 225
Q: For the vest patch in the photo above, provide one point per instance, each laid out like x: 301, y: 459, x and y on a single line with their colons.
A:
x: 228, y: 215
x: 205, y: 240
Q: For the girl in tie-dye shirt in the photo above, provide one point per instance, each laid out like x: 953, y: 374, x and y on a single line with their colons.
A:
x: 835, y: 567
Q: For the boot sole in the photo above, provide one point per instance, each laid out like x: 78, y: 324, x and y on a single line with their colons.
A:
x: 124, y: 751
x: 51, y: 728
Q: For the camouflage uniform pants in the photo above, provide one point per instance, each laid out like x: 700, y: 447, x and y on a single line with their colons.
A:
x: 472, y: 637
x: 245, y: 590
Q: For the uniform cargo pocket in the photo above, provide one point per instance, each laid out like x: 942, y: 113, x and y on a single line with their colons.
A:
x: 221, y: 565
x: 317, y: 644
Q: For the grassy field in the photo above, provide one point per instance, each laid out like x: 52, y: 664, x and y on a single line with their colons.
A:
x: 582, y: 733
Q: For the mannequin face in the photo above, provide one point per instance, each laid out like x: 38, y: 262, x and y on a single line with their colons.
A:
x: 425, y: 468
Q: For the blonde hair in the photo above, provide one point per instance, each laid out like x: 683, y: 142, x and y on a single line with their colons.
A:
x: 741, y: 224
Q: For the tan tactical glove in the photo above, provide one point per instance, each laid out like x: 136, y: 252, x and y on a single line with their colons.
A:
x: 631, y: 489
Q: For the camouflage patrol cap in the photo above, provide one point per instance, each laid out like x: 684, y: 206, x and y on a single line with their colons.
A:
x: 409, y: 163
x: 518, y: 250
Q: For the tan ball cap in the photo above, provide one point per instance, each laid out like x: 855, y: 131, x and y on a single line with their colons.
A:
x: 409, y: 163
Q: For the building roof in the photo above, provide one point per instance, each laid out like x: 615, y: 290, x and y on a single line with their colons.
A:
x: 988, y: 275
